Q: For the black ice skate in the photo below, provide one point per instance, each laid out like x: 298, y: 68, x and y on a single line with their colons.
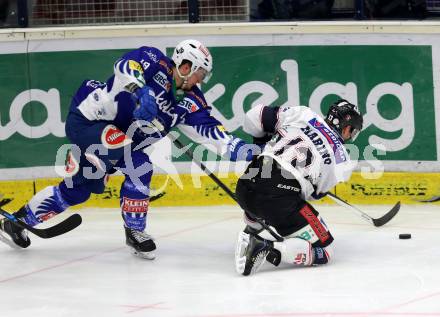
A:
x: 13, y: 235
x: 252, y: 252
x: 141, y: 243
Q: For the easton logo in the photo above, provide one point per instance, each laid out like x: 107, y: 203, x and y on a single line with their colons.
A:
x: 288, y: 187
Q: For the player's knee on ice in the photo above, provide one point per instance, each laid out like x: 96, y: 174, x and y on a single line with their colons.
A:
x: 297, y: 251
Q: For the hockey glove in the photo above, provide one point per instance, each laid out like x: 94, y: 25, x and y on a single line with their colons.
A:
x: 146, y: 108
x: 318, y: 196
x: 263, y: 140
x: 241, y: 151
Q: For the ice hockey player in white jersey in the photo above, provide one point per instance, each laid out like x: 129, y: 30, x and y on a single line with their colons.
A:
x: 303, y: 159
x: 110, y: 123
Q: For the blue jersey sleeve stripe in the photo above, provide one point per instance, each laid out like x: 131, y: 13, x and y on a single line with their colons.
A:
x: 213, y: 134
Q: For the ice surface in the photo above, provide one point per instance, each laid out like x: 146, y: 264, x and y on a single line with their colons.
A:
x: 90, y: 272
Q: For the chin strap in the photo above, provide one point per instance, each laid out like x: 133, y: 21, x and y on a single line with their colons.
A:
x: 185, y: 78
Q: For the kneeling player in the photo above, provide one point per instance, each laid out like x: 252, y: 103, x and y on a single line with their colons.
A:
x: 303, y: 160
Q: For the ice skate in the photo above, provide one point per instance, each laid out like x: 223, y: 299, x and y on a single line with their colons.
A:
x: 13, y: 235
x: 141, y: 243
x: 251, y: 252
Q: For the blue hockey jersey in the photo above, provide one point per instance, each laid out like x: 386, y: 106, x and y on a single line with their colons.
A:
x: 111, y: 101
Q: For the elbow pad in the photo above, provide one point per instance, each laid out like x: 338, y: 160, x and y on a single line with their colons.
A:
x: 261, y: 120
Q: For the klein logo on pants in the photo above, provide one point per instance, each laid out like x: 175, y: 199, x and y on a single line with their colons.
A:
x: 135, y: 205
x: 113, y: 138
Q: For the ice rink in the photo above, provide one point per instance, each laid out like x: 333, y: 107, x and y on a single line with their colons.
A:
x: 89, y: 271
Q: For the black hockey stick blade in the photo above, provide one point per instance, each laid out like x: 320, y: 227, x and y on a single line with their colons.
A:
x: 430, y: 200
x: 378, y: 222
x: 156, y: 197
x: 5, y: 201
x: 64, y: 226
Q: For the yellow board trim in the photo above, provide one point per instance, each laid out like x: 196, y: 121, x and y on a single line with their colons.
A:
x: 200, y: 190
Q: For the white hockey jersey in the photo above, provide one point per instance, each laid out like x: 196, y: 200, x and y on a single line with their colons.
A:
x: 305, y: 146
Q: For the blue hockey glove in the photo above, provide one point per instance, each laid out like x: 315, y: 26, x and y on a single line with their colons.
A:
x: 241, y: 151
x: 146, y: 108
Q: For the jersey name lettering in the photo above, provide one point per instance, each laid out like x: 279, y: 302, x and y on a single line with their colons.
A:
x: 332, y: 138
x: 319, y: 144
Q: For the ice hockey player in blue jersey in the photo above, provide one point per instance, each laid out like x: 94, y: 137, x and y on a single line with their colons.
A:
x: 110, y: 123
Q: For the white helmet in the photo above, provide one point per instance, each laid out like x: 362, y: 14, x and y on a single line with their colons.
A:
x: 197, y: 54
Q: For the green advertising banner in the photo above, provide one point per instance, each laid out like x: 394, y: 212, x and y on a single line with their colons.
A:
x: 36, y: 90
x: 393, y: 86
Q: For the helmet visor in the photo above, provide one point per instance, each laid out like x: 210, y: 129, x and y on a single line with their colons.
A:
x: 354, y: 134
x: 203, y: 74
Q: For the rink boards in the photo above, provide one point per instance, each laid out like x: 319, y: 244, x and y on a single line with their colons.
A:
x: 200, y: 190
x: 372, y: 64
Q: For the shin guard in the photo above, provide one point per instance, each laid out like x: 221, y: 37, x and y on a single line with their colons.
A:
x: 44, y: 205
x: 52, y: 201
x: 295, y: 251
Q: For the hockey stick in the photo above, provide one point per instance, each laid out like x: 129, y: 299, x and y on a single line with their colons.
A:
x: 4, y: 201
x: 208, y: 172
x: 378, y: 222
x: 156, y: 197
x: 64, y: 226
x: 430, y: 200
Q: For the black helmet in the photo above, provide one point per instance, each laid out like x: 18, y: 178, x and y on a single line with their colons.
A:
x: 341, y: 114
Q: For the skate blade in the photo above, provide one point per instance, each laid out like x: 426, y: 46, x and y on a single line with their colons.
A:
x: 4, y: 237
x: 259, y: 262
x: 143, y: 255
x: 240, y: 252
